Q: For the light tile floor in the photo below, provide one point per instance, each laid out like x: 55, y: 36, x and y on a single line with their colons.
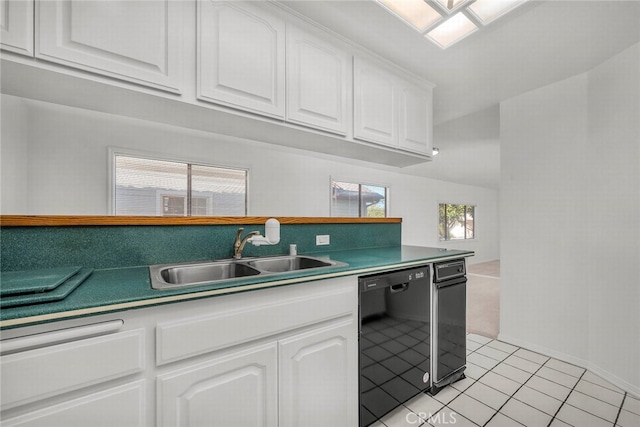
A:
x: 510, y: 386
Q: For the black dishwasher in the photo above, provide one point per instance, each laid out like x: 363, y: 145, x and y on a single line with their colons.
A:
x: 395, y: 331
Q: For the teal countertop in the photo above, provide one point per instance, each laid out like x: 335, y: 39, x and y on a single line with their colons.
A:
x: 117, y: 289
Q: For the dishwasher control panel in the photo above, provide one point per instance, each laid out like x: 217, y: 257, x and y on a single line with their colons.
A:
x: 449, y: 270
x: 394, y: 278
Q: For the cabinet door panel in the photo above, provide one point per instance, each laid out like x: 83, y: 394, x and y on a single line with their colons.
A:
x: 374, y: 104
x: 190, y: 335
x: 415, y: 119
x: 36, y: 374
x: 235, y: 390
x: 120, y: 406
x: 319, y: 82
x: 241, y: 57
x: 137, y: 41
x: 16, y: 21
x: 319, y: 378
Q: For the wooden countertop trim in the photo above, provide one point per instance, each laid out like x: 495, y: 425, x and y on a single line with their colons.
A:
x: 74, y: 220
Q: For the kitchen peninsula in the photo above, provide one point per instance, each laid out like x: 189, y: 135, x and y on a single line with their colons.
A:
x: 268, y: 339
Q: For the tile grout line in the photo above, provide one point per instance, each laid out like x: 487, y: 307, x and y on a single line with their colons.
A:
x: 514, y: 393
x: 620, y: 408
x: 490, y: 370
x: 564, y: 402
x: 445, y: 405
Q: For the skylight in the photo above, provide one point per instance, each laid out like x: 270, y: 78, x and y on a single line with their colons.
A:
x: 445, y: 22
x: 452, y: 30
x: 416, y: 13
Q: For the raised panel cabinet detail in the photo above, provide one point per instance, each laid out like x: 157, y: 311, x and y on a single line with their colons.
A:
x: 136, y: 41
x: 119, y: 406
x: 239, y: 389
x: 192, y: 335
x: 319, y: 82
x: 48, y: 371
x: 390, y: 110
x: 241, y: 57
x: 319, y: 377
x: 16, y: 26
x: 374, y: 104
x: 415, y: 117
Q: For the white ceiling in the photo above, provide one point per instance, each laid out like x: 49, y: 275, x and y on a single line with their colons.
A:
x: 539, y: 43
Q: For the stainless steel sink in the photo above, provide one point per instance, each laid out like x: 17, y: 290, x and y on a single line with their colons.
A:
x: 171, y: 276
x: 168, y: 276
x: 289, y: 263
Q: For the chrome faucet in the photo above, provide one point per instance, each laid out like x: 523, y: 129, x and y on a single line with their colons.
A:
x: 238, y: 245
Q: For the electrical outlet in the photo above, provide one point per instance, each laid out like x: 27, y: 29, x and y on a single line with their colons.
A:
x: 323, y: 240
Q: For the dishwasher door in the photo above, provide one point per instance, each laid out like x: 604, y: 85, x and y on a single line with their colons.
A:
x: 450, y: 331
x: 395, y: 324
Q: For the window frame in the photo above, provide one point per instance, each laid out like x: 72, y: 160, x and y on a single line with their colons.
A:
x: 467, y: 205
x: 387, y: 206
x: 152, y: 155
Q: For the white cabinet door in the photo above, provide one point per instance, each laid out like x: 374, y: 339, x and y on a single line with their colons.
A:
x: 390, y: 110
x: 319, y: 82
x: 136, y: 41
x: 241, y: 57
x: 16, y: 20
x: 415, y: 116
x: 238, y: 389
x: 374, y: 101
x: 319, y: 377
x: 32, y: 375
x: 119, y: 406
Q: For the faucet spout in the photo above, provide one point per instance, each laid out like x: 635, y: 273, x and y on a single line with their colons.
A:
x: 239, y: 243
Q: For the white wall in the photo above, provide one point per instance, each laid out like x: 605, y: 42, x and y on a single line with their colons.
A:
x: 569, y: 228
x: 68, y: 172
x: 13, y: 157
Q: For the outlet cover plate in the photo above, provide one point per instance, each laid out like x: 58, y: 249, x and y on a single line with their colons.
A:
x: 322, y: 240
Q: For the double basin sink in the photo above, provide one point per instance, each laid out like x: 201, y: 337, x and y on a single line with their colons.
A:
x: 171, y: 276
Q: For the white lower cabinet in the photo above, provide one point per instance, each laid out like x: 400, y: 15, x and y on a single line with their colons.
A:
x: 119, y: 406
x: 238, y: 389
x: 283, y: 356
x: 318, y: 377
x: 66, y: 376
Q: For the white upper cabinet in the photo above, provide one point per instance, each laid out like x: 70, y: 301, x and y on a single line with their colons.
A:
x: 136, y: 41
x: 415, y: 118
x: 390, y: 110
x: 374, y: 104
x: 250, y: 69
x: 241, y: 57
x: 16, y: 21
x: 319, y: 82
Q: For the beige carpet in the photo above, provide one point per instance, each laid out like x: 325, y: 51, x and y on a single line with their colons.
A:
x: 483, y: 299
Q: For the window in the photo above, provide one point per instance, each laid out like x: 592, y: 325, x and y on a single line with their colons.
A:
x: 456, y: 222
x: 166, y: 188
x: 358, y: 200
